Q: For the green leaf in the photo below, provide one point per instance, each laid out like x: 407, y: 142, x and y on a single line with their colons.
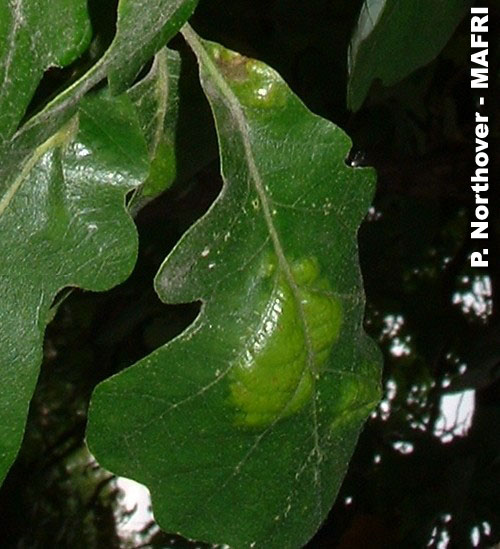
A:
x: 176, y: 122
x: 155, y: 22
x: 142, y: 29
x: 157, y: 102
x: 63, y: 223
x: 243, y: 426
x: 35, y: 35
x: 395, y: 37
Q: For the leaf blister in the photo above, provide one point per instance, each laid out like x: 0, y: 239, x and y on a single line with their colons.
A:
x: 207, y: 458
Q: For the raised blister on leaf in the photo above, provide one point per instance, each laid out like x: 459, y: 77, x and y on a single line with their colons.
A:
x: 255, y: 83
x: 255, y: 409
x: 299, y: 323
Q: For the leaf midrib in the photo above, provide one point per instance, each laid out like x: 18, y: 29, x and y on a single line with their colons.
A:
x: 161, y: 92
x: 236, y: 110
x: 59, y: 139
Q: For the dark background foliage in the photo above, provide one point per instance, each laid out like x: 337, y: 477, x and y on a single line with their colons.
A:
x: 427, y: 468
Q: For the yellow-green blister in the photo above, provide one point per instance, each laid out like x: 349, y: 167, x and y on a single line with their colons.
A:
x: 254, y: 83
x: 275, y: 374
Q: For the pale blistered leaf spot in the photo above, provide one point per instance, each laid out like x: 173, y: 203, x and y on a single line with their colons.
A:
x: 275, y: 375
x: 253, y: 412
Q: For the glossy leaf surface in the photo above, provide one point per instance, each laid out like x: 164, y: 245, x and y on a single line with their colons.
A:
x: 63, y: 223
x: 35, y: 35
x: 242, y: 427
x: 143, y: 24
x: 176, y: 122
x: 395, y: 37
x: 142, y: 29
x: 156, y: 99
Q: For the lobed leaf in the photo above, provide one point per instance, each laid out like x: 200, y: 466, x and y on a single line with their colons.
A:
x: 63, y: 223
x: 242, y: 427
x: 76, y: 182
x: 142, y: 29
